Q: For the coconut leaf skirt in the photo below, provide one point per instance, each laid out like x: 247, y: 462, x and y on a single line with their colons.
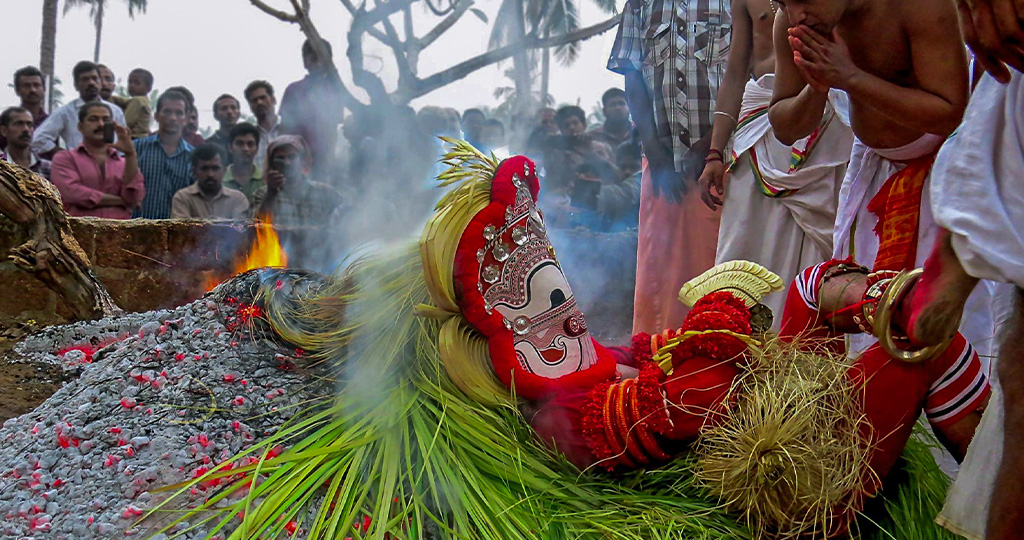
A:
x: 401, y: 452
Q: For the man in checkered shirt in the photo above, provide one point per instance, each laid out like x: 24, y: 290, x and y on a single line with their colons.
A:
x: 672, y: 54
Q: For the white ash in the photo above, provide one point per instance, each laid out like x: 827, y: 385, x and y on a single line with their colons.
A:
x: 177, y: 391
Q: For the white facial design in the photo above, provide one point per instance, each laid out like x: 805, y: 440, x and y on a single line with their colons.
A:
x: 531, y: 293
x: 551, y: 338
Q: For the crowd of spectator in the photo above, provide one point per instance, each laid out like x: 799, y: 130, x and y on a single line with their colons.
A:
x: 290, y: 165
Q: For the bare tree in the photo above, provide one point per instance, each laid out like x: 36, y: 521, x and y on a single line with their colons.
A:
x: 375, y: 21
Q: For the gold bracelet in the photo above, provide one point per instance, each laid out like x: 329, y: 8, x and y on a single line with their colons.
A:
x: 882, y: 323
x: 727, y: 115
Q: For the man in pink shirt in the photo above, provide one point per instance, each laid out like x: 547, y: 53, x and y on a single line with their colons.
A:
x: 99, y: 179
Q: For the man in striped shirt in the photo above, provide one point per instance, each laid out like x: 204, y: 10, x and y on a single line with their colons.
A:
x: 672, y: 54
x: 165, y: 159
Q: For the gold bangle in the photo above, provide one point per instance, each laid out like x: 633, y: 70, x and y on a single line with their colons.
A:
x: 882, y: 323
x: 727, y: 115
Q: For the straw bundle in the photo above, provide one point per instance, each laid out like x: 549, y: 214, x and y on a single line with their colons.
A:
x: 790, y: 459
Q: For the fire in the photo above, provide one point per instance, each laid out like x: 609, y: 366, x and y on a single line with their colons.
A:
x: 266, y: 251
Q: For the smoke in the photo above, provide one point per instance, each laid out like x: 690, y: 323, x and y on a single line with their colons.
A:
x: 388, y: 188
x: 601, y: 269
x: 388, y: 182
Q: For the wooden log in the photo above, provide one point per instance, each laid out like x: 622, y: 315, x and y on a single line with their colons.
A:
x: 51, y: 253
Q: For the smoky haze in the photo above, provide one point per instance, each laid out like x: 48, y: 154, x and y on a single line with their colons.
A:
x: 218, y: 46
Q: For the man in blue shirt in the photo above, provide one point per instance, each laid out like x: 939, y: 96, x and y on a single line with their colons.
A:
x: 165, y: 159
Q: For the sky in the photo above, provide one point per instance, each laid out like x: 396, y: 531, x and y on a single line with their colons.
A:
x: 218, y: 46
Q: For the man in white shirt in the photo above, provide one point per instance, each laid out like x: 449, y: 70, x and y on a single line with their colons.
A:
x: 260, y: 96
x: 63, y: 123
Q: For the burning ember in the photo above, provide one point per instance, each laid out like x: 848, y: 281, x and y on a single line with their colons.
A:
x: 266, y: 251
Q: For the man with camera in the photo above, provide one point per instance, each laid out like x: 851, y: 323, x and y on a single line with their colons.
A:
x: 290, y: 197
x: 577, y: 165
x: 567, y: 152
x: 99, y: 177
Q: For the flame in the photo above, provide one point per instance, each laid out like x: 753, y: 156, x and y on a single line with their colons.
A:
x: 266, y: 251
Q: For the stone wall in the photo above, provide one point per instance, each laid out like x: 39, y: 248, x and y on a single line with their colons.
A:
x: 158, y: 264
x: 144, y: 264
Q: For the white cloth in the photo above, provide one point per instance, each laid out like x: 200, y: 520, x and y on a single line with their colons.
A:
x: 979, y: 191
x: 785, y: 234
x: 978, y: 194
x: 868, y: 171
x: 266, y: 137
x: 63, y: 123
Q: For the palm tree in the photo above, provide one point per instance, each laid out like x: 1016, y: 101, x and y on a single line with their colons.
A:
x: 96, y: 11
x: 48, y: 47
x: 518, y: 19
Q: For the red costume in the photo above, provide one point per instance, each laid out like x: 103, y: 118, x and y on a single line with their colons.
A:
x: 510, y: 288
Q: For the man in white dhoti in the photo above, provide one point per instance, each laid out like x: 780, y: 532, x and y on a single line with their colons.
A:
x: 779, y: 201
x: 978, y: 198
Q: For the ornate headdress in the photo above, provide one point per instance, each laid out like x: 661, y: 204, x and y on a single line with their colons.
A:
x: 487, y: 257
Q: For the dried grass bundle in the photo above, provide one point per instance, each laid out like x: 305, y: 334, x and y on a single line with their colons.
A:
x: 790, y: 460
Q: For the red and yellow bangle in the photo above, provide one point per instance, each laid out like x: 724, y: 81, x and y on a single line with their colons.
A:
x: 643, y: 429
x: 615, y: 444
x: 627, y: 425
x: 713, y: 155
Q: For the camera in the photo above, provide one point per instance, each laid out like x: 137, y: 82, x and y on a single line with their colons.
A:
x: 108, y: 132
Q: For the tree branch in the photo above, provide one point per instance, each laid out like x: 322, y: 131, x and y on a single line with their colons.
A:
x: 461, y: 70
x: 51, y: 253
x: 384, y: 38
x: 351, y: 8
x: 365, y: 19
x: 366, y: 80
x: 286, y: 17
x: 430, y: 37
x: 405, y: 75
x: 301, y: 18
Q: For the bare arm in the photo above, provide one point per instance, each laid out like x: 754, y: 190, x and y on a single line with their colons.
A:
x: 641, y: 108
x: 796, y: 107
x: 665, y: 181
x: 729, y: 101
x: 737, y: 71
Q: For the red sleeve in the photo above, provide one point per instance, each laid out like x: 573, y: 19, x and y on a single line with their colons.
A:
x: 959, y: 384
x: 133, y: 191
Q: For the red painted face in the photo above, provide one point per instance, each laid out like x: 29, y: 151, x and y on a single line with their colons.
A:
x: 514, y: 292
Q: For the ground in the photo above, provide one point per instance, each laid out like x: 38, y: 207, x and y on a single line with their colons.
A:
x: 23, y: 386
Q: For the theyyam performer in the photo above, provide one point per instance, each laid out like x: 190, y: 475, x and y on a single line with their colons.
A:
x: 474, y: 403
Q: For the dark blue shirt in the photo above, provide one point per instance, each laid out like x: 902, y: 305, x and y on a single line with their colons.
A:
x: 164, y: 175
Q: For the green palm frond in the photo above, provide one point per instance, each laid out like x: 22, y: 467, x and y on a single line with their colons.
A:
x: 134, y: 6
